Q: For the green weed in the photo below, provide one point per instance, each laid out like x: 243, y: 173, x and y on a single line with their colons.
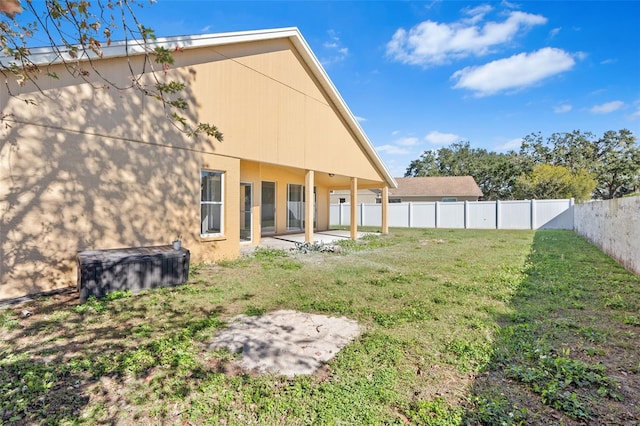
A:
x: 254, y: 311
x: 436, y: 412
x: 8, y: 320
x: 494, y: 410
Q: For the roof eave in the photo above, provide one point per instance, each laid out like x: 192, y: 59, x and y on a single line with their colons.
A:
x: 303, y: 48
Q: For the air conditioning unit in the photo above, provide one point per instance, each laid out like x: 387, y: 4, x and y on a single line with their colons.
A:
x: 103, y: 271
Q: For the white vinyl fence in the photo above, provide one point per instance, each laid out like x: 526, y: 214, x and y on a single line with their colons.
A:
x: 523, y: 214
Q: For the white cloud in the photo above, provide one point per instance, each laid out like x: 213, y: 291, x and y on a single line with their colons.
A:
x: 510, y: 5
x: 399, y: 146
x: 335, y: 51
x: 518, y: 71
x: 581, y: 56
x: 392, y: 149
x: 635, y: 115
x: 407, y: 141
x: 561, y: 109
x: 205, y: 29
x: 608, y: 61
x: 511, y: 145
x: 434, y: 43
x: 360, y: 119
x: 554, y: 32
x: 439, y: 138
x: 476, y: 14
x: 607, y: 107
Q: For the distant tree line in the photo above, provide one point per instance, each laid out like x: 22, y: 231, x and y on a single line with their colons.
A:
x: 576, y: 165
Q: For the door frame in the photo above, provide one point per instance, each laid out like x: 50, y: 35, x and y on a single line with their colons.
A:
x: 243, y: 205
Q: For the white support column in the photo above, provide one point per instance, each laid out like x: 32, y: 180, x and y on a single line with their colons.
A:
x: 309, y: 206
x: 385, y: 210
x: 498, y: 215
x: 354, y: 208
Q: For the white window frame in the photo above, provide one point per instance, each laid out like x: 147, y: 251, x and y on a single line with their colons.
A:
x: 204, y: 172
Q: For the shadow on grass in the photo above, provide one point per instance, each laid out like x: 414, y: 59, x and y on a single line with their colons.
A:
x: 565, y: 354
x: 51, y: 380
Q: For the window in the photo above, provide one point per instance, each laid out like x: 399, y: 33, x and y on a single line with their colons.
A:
x: 211, y: 203
x: 449, y: 200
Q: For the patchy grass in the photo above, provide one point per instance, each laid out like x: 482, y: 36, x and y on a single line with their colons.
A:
x: 461, y: 327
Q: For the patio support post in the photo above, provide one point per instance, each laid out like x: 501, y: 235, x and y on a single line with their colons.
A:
x: 309, y: 206
x: 385, y: 210
x: 354, y: 209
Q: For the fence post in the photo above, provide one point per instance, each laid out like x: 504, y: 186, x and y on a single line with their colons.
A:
x: 437, y: 210
x: 362, y: 214
x: 572, y: 209
x: 466, y: 214
x: 410, y: 214
x: 533, y: 214
x: 498, y: 218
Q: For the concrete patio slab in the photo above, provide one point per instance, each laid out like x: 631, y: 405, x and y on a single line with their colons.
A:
x: 286, y: 342
x: 288, y: 241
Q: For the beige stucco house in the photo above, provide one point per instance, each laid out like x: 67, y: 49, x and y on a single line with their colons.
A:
x: 94, y: 167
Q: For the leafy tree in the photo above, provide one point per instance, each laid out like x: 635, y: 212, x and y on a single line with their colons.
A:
x: 495, y: 173
x: 548, y: 181
x: 617, y: 170
x: 425, y: 165
x: 76, y: 32
x: 613, y: 160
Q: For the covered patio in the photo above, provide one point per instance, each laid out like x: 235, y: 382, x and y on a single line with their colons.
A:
x: 288, y: 241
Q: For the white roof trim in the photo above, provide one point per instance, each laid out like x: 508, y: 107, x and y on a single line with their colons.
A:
x: 48, y: 55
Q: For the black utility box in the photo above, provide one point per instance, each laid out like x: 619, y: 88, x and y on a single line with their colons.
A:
x: 103, y: 271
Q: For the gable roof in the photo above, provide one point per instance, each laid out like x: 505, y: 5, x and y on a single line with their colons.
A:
x: 436, y: 186
x: 49, y: 55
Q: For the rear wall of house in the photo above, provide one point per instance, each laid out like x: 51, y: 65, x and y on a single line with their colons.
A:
x: 95, y: 167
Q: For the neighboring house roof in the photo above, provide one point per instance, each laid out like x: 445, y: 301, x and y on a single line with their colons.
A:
x: 436, y: 186
x: 48, y: 55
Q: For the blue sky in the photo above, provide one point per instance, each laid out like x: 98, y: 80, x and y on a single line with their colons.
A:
x: 422, y: 75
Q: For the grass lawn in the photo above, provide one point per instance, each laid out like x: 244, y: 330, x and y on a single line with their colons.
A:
x: 461, y: 327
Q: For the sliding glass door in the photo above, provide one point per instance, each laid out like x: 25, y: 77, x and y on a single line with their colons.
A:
x: 295, y: 207
x: 246, y: 203
x: 268, y: 208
